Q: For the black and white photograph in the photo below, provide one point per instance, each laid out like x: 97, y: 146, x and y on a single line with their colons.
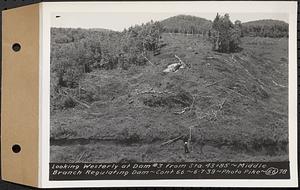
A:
x: 169, y: 87
x: 119, y: 94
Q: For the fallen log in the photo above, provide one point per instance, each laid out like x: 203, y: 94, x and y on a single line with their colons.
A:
x: 277, y: 84
x: 179, y: 59
x: 148, y: 60
x: 152, y: 91
x: 186, y: 108
x: 222, y: 104
x: 226, y: 88
x: 74, y: 99
x: 80, y: 157
x: 215, y: 83
x: 181, y: 62
x: 182, y: 111
x: 172, y: 140
x: 247, y: 71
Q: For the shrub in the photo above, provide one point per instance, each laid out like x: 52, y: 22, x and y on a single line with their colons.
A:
x: 129, y: 135
x: 226, y: 35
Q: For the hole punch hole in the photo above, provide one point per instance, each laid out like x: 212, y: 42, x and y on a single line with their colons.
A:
x: 16, y: 148
x: 16, y: 47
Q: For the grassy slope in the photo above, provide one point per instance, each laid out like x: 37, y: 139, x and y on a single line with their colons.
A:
x: 244, y: 116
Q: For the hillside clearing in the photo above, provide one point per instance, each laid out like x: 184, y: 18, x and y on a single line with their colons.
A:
x: 236, y: 104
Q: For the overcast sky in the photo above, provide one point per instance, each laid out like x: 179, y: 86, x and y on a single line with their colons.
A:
x: 118, y: 21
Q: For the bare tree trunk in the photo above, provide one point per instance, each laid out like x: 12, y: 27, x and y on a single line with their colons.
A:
x: 148, y: 59
x: 217, y: 42
x: 172, y: 140
x: 79, y: 87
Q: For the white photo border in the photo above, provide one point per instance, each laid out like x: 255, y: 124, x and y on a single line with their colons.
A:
x: 48, y: 8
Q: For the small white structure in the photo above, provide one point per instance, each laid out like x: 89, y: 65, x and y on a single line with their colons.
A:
x: 174, y: 67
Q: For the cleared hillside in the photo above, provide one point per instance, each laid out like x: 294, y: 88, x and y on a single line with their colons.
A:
x: 233, y: 106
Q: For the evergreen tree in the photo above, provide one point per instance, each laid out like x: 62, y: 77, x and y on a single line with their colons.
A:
x: 225, y: 34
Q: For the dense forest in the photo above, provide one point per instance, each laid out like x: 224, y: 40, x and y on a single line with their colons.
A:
x: 266, y: 28
x: 196, y: 25
x: 186, y: 24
